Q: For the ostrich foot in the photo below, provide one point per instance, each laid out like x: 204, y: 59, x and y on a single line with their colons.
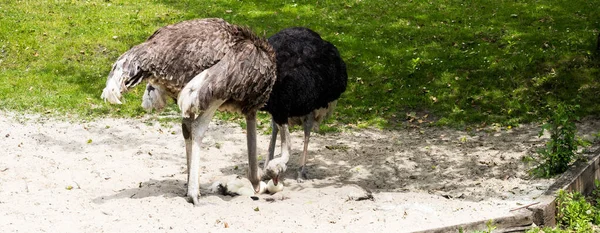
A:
x: 193, y: 200
x: 193, y: 197
x: 302, y: 175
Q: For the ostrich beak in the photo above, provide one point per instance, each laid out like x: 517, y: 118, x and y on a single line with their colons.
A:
x: 276, y: 180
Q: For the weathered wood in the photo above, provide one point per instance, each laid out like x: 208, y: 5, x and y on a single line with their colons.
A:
x: 579, y: 178
x: 516, y: 221
x: 525, y: 206
x: 544, y: 214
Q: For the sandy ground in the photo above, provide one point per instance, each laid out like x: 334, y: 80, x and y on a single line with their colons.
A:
x: 115, y: 175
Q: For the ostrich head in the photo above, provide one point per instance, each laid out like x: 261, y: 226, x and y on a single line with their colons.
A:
x: 274, y: 170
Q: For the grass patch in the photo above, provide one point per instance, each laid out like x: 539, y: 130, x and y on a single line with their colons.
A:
x: 462, y: 62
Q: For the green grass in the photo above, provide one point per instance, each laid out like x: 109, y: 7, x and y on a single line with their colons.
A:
x: 460, y: 62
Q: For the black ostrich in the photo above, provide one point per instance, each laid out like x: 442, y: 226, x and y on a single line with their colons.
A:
x: 206, y: 65
x: 311, y: 76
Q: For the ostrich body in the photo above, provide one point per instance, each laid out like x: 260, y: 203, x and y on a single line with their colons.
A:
x: 311, y: 76
x: 206, y: 65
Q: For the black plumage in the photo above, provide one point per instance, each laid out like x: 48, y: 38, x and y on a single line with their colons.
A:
x: 311, y: 76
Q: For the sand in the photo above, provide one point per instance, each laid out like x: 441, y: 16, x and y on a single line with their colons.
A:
x: 119, y: 175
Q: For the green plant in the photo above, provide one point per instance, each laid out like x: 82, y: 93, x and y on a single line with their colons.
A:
x: 546, y: 230
x: 574, y: 212
x: 596, y: 136
x: 490, y: 228
x: 595, y: 200
x: 489, y: 224
x: 595, y: 196
x: 562, y: 147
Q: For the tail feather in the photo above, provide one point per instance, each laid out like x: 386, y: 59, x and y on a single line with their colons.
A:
x: 112, y: 92
x: 125, y: 74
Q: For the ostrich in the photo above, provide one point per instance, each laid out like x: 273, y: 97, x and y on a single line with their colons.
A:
x: 205, y: 65
x: 311, y: 76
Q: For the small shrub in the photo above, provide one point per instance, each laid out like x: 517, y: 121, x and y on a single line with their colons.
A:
x: 575, y: 213
x: 560, y: 151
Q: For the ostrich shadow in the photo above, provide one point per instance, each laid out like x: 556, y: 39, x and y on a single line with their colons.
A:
x: 169, y: 188
x: 433, y: 160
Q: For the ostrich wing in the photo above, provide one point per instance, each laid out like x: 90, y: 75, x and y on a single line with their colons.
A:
x: 244, y: 77
x: 172, y: 56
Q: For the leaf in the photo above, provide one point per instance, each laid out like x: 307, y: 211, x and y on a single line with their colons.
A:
x: 89, y: 141
x: 256, y: 209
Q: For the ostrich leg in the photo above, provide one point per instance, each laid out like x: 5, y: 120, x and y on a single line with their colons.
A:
x: 186, y: 129
x: 272, y: 143
x: 199, y: 127
x: 278, y: 166
x: 286, y: 144
x: 308, y: 125
x: 253, y: 175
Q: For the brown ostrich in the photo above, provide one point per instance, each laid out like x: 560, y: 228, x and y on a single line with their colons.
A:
x: 205, y: 65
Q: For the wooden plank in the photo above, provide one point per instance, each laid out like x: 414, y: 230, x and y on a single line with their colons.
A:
x: 544, y: 214
x: 516, y: 221
x: 579, y: 178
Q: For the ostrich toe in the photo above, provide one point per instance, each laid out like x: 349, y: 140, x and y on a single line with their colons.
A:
x: 302, y: 175
x: 194, y: 200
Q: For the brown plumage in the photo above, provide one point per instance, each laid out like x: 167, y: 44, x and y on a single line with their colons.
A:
x: 205, y: 64
x: 176, y: 53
